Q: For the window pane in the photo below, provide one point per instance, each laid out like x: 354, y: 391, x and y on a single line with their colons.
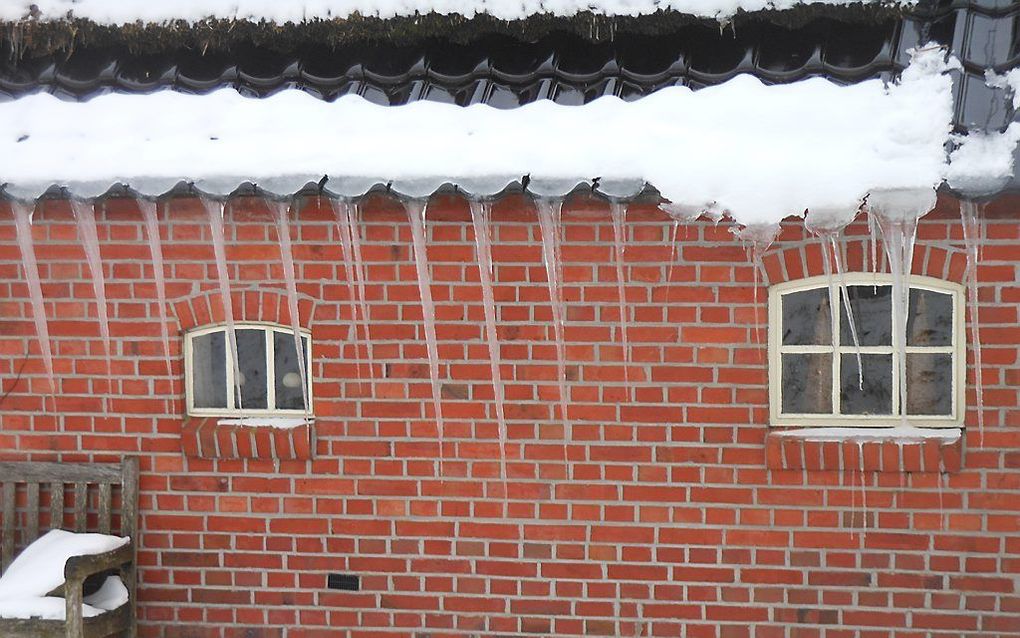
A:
x: 872, y: 306
x: 288, y: 374
x: 251, y: 360
x: 806, y: 318
x: 930, y: 319
x: 930, y: 384
x: 875, y: 396
x: 209, y: 370
x: 807, y: 383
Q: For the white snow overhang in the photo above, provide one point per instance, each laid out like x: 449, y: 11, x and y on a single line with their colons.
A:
x: 758, y: 152
x: 119, y: 12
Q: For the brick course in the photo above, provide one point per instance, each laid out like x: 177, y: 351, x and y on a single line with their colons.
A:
x: 664, y: 514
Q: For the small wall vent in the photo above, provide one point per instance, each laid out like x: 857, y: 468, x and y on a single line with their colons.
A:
x: 344, y: 582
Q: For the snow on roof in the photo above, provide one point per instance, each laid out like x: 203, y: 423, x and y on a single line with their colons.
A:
x: 128, y: 11
x: 760, y: 153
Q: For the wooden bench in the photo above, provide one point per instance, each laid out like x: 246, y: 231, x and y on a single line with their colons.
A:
x: 34, y: 496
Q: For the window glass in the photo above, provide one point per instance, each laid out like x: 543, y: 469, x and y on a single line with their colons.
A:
x: 875, y: 395
x: 251, y: 360
x: 807, y: 383
x: 209, y: 371
x: 872, y: 307
x: 288, y: 373
x: 929, y: 318
x: 929, y: 383
x: 806, y: 318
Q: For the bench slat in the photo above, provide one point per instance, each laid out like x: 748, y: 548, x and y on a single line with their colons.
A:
x: 7, y: 548
x: 31, y: 514
x: 32, y: 472
x: 56, y: 505
x: 105, y: 507
x: 80, y: 503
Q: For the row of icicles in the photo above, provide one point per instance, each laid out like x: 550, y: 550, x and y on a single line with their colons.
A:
x: 897, y: 231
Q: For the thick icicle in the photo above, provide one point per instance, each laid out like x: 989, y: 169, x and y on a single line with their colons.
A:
x: 618, y: 211
x: 214, y: 210
x: 23, y: 228
x: 341, y: 210
x: 281, y: 216
x: 360, y: 277
x: 85, y: 216
x: 551, y: 223
x: 481, y: 219
x: 350, y: 244
x: 970, y: 216
x: 147, y: 208
x: 896, y: 214
x: 416, y: 215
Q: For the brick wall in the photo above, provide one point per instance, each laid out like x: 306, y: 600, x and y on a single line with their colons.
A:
x: 665, y: 520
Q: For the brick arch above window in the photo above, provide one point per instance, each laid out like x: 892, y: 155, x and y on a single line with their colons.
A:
x: 262, y: 304
x: 790, y: 261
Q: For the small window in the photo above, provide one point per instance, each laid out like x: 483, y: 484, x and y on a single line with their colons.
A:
x: 814, y: 375
x: 269, y: 368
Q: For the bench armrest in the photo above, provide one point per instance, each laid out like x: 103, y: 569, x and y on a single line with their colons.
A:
x: 78, y: 568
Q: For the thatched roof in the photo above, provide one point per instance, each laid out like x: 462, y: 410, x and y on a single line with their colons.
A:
x: 30, y: 37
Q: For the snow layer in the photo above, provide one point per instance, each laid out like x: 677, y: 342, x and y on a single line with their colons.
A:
x: 279, y: 423
x: 899, y: 433
x: 758, y: 152
x: 46, y: 608
x: 1009, y: 81
x: 281, y: 11
x: 110, y: 596
x: 983, y: 162
x: 39, y: 568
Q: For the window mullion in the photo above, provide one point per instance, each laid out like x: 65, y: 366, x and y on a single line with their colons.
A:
x: 837, y: 359
x: 270, y: 369
x: 228, y: 364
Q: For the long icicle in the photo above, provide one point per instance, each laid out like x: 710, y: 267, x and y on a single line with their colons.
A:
x: 85, y: 217
x: 360, y: 277
x: 23, y: 228
x: 214, y: 211
x: 618, y: 211
x: 416, y: 216
x: 147, y: 208
x: 970, y: 216
x: 549, y: 219
x: 830, y: 248
x: 281, y: 215
x: 341, y: 211
x: 481, y: 219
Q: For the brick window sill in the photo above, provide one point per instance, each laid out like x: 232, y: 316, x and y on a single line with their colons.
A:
x: 217, y: 438
x: 887, y: 450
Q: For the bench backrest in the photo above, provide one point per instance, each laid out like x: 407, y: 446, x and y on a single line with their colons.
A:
x: 35, y: 495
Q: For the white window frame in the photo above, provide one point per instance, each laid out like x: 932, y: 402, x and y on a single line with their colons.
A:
x: 957, y: 349
x: 268, y: 329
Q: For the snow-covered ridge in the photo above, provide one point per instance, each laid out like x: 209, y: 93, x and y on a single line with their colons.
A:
x: 759, y: 152
x: 115, y: 12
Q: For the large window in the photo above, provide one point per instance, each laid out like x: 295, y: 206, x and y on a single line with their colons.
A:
x: 814, y: 374
x: 270, y: 371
